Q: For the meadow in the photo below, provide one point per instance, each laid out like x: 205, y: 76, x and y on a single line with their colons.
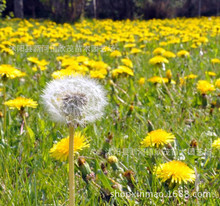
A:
x: 162, y: 79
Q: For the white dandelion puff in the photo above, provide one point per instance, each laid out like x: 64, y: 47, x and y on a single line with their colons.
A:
x: 74, y: 100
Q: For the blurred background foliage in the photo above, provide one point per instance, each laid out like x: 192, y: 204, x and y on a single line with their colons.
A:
x: 71, y: 10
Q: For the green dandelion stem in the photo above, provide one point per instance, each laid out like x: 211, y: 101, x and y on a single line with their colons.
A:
x: 27, y: 130
x: 96, y: 185
x: 4, y: 108
x: 165, y: 157
x: 167, y: 90
x: 71, y: 166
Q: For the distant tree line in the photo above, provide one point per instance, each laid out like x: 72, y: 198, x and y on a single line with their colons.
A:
x: 71, y: 10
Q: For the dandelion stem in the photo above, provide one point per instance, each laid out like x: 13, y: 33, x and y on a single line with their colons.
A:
x: 26, y: 127
x: 71, y: 166
x: 165, y: 157
x: 4, y: 108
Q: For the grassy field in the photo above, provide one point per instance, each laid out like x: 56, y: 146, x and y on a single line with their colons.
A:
x: 152, y: 72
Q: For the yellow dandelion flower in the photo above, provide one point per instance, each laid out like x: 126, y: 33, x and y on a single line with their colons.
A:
x: 10, y: 72
x: 194, y: 45
x: 158, y: 60
x: 42, y: 68
x: 204, y: 87
x: 160, y: 80
x: 158, y: 51
x: 157, y: 138
x: 43, y: 63
x: 127, y: 62
x: 69, y: 62
x: 53, y: 46
x: 112, y: 159
x: 21, y: 102
x: 129, y: 45
x: 203, y: 39
x: 61, y: 58
x: 141, y: 81
x: 212, y: 74
x: 176, y: 172
x: 98, y: 65
x: 116, y: 53
x: 34, y: 68
x: 183, y: 53
x: 169, y: 74
x: 30, y: 43
x: 7, y: 51
x: 122, y: 70
x: 182, y: 81
x: 98, y: 74
x: 167, y: 80
x: 82, y: 59
x: 106, y: 49
x: 191, y: 76
x: 215, y: 61
x: 135, y: 51
x: 7, y: 43
x: 155, y: 79
x: 217, y: 83
x: 169, y: 54
x: 60, y: 150
x: 34, y: 60
x: 216, y: 143
x: 64, y: 73
x: 53, y: 40
x: 163, y: 43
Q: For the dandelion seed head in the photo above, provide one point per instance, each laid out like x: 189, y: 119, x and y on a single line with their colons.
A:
x: 74, y: 100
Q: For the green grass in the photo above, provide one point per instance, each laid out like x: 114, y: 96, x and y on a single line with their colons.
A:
x: 29, y: 176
